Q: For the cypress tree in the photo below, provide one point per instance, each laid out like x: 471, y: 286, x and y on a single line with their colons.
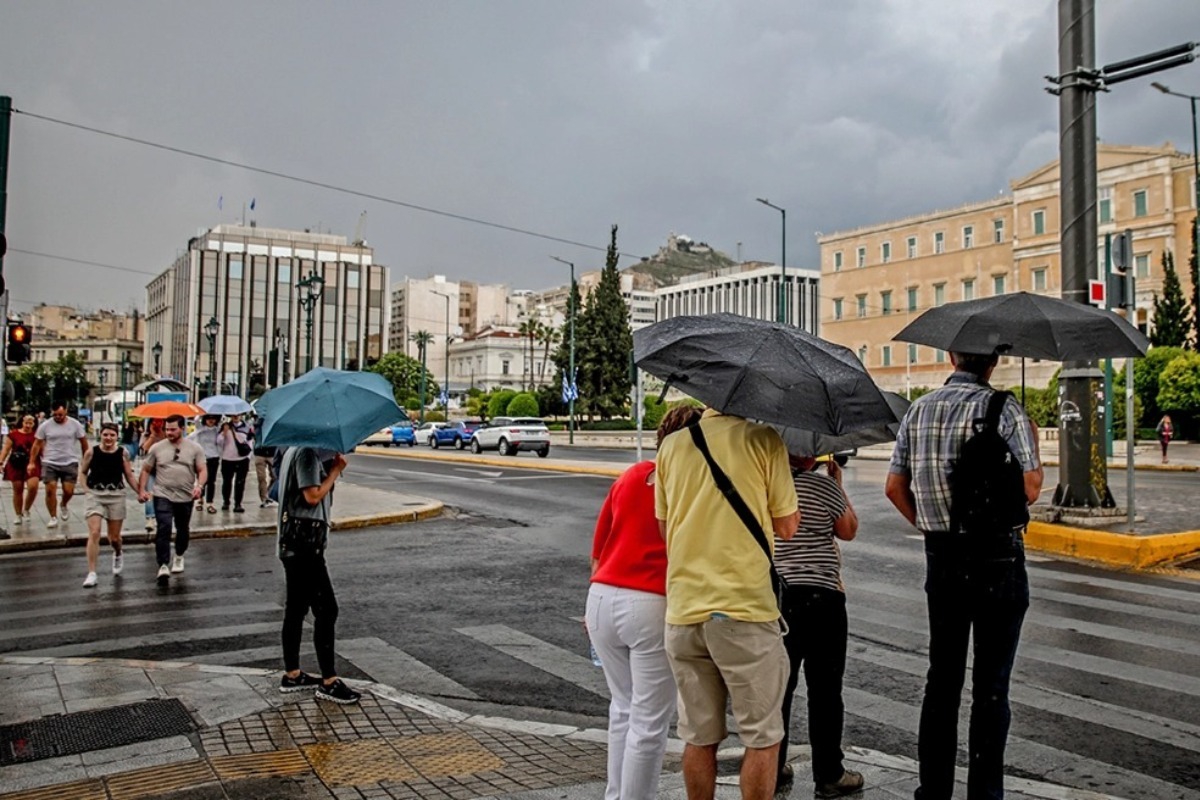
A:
x: 1194, y: 273
x: 604, y: 352
x: 1171, y: 317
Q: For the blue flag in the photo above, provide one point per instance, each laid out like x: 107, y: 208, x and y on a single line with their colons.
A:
x: 220, y: 202
x: 252, y: 202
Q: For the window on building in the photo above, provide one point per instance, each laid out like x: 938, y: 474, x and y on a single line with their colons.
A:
x: 887, y: 355
x: 885, y: 252
x: 998, y: 284
x: 939, y: 242
x: 862, y: 305
x: 969, y: 290
x: 862, y: 257
x: 837, y: 308
x: 912, y: 298
x: 1104, y: 204
x: 503, y: 367
x: 1142, y: 264
x: 862, y: 354
x: 940, y: 357
x: 912, y: 354
x: 1039, y: 280
x: 912, y: 247
x: 837, y: 261
x: 1039, y: 222
x: 104, y: 355
x: 885, y: 301
x: 968, y: 237
x: 235, y: 269
x: 939, y: 295
x: 1139, y: 203
x: 998, y: 231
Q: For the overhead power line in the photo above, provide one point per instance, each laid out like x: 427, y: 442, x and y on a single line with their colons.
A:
x: 310, y: 182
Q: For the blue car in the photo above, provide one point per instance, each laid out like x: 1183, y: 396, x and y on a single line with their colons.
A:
x: 454, y: 434
x: 403, y: 433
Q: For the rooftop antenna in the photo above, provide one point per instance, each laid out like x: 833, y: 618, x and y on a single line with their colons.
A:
x: 359, y: 229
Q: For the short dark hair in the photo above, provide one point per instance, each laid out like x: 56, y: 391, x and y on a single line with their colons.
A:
x: 57, y: 404
x: 110, y: 426
x: 175, y: 419
x: 676, y: 419
x: 975, y: 363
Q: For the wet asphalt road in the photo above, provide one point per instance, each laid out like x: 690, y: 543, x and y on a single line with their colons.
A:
x: 1107, y: 683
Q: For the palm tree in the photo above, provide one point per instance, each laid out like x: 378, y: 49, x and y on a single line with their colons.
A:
x: 550, y: 337
x: 422, y: 340
x: 531, y: 328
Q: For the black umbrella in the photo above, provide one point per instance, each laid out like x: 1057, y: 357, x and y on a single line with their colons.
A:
x: 802, y: 442
x: 763, y: 370
x: 1027, y: 325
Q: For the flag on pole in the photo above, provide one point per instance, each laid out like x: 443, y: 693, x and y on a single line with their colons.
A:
x: 570, y: 389
x: 252, y: 203
x: 444, y: 398
x: 220, y: 202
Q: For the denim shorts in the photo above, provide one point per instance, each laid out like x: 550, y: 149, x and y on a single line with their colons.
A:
x: 53, y: 473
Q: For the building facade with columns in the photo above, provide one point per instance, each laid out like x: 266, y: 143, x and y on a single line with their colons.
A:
x: 750, y: 292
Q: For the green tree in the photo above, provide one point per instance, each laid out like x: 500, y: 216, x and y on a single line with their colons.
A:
x: 530, y: 329
x: 548, y: 337
x: 404, y: 373
x: 1146, y: 373
x: 523, y: 405
x: 497, y: 405
x: 423, y: 339
x: 1172, y: 320
x: 603, y: 353
x: 1118, y: 404
x: 37, y: 384
x: 1179, y: 385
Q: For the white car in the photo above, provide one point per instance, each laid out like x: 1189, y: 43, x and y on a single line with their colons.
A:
x: 509, y: 435
x: 425, y: 432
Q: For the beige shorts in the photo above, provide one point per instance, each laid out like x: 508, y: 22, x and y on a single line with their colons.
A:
x: 721, y: 659
x: 106, y: 505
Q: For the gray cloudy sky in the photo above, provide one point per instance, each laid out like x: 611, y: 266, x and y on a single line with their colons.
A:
x: 559, y: 116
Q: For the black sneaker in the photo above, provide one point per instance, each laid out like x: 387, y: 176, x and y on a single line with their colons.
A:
x: 337, y: 692
x: 225, y: 507
x: 239, y: 510
x: 298, y: 684
x: 851, y: 782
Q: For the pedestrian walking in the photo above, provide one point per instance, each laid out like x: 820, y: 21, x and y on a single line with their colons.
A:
x: 308, y: 476
x: 235, y: 448
x: 815, y: 612
x: 206, y: 436
x: 1165, y: 431
x: 626, y: 605
x: 131, y: 436
x: 179, y: 471
x: 264, y: 474
x: 105, y: 470
x: 151, y: 435
x: 964, y: 469
x: 58, y: 445
x: 723, y: 634
x: 16, y: 458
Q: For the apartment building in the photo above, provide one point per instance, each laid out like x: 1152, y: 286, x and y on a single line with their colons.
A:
x: 877, y: 278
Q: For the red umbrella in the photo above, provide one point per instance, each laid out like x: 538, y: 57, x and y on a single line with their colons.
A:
x: 166, y: 408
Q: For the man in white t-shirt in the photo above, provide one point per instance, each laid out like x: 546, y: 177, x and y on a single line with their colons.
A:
x: 59, y: 444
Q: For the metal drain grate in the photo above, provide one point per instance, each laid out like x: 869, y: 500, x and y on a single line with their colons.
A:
x: 84, y: 731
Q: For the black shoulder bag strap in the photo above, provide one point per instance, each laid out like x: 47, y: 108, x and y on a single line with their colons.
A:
x: 726, y: 487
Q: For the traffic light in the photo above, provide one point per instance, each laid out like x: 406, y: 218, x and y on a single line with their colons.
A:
x: 1119, y: 294
x: 19, y: 347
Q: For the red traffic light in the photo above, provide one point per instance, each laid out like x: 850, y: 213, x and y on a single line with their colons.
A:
x: 18, y: 349
x: 18, y: 334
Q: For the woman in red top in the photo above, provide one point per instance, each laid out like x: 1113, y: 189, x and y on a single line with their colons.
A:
x: 626, y: 610
x: 18, y: 444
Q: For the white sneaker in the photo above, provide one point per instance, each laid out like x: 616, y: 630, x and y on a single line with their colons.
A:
x: 18, y: 520
x: 89, y: 581
x: 177, y: 565
x: 53, y: 523
x: 64, y: 514
x: 164, y: 575
x: 151, y: 525
x: 118, y: 563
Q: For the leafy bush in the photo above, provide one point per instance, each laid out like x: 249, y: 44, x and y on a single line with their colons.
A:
x: 653, y: 412
x: 523, y: 405
x: 614, y: 424
x: 412, y: 404
x: 435, y: 416
x: 498, y: 403
x: 1146, y: 374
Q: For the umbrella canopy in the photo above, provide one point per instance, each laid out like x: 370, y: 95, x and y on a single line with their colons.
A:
x: 225, y: 404
x: 328, y: 409
x: 802, y: 442
x: 764, y: 371
x: 165, y: 408
x: 1027, y: 325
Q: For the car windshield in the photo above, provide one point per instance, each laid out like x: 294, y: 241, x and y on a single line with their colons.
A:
x: 403, y: 424
x: 527, y: 421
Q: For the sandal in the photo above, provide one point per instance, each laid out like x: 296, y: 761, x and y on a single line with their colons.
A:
x: 212, y: 509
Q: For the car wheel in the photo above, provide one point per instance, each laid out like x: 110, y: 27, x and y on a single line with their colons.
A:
x: 503, y: 449
x: 545, y: 451
x: 411, y: 442
x: 458, y: 443
x: 475, y: 448
x: 434, y: 443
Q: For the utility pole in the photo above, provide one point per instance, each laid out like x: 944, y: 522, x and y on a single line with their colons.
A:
x: 5, y: 123
x: 1083, y: 471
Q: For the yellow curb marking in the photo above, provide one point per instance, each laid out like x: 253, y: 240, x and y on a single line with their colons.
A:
x: 81, y: 790
x: 159, y: 780
x: 441, y: 755
x: 494, y: 462
x: 1117, y: 549
x: 257, y: 765
x: 358, y: 763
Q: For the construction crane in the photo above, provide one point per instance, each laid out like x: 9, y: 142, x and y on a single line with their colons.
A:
x: 359, y: 230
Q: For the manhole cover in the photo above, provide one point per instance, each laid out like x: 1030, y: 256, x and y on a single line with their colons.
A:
x: 84, y: 731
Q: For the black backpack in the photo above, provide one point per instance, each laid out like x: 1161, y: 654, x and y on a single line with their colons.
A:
x: 987, y: 483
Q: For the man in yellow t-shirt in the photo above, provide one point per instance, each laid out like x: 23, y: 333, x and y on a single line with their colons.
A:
x: 723, y: 635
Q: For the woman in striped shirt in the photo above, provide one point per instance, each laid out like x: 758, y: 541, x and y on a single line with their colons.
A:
x: 815, y: 611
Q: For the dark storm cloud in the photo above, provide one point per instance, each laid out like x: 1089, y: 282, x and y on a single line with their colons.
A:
x: 559, y: 117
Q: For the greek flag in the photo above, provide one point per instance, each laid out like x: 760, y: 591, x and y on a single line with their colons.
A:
x: 570, y: 390
x: 444, y: 397
x: 253, y: 202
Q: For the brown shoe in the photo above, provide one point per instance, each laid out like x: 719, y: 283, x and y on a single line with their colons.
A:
x: 851, y: 782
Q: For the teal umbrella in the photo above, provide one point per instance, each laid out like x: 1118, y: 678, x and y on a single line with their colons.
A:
x: 328, y: 409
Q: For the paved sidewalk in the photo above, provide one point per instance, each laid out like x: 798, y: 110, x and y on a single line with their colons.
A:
x: 226, y: 732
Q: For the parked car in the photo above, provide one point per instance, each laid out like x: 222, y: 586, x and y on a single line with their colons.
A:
x: 456, y: 434
x: 425, y: 431
x: 397, y: 434
x: 510, y: 435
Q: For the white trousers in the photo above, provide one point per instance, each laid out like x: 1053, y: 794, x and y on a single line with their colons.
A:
x: 626, y: 628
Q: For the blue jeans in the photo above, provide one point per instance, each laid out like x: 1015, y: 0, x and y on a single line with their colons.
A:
x: 987, y: 591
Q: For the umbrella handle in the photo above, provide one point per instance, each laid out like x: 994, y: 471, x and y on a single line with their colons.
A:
x: 667, y: 388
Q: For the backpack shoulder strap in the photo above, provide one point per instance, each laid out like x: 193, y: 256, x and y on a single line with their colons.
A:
x: 996, y: 408
x: 730, y: 492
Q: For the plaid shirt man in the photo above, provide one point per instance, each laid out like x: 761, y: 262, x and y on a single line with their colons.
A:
x: 933, y: 433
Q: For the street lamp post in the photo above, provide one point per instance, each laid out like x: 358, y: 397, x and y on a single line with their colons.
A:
x: 124, y: 373
x: 52, y: 384
x: 310, y: 288
x: 571, y: 362
x: 446, y: 386
x: 782, y: 315
x: 157, y: 351
x: 1191, y: 98
x: 210, y: 332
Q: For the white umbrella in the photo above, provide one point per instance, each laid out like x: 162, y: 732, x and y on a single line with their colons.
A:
x: 225, y: 404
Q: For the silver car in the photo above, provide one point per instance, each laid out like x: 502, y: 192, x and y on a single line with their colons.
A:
x: 510, y: 435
